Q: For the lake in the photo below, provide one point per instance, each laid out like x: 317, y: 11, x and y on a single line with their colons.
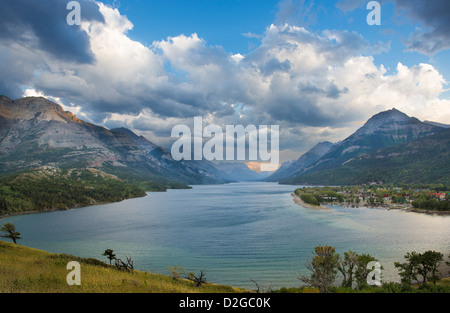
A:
x: 235, y: 232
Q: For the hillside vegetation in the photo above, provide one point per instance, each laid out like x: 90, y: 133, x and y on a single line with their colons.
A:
x: 27, y: 270
x: 47, y: 189
x: 425, y: 160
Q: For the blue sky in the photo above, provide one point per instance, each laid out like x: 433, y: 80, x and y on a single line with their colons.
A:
x: 236, y: 24
x: 220, y: 22
x: 313, y: 67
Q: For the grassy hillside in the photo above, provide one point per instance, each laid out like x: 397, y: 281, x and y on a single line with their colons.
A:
x: 28, y: 270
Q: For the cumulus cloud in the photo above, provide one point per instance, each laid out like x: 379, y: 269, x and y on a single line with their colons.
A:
x: 32, y: 32
x: 301, y: 89
x: 316, y: 86
x: 42, y: 25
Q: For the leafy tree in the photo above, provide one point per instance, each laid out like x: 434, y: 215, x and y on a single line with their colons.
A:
x: 362, y: 272
x: 323, y: 267
x: 347, y: 267
x: 429, y: 264
x: 448, y: 263
x: 309, y: 198
x: 408, y: 270
x: 417, y: 264
x: 109, y: 253
x: 354, y: 269
x: 11, y: 233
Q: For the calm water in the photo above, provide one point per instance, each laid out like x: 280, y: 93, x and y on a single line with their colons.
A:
x: 235, y: 232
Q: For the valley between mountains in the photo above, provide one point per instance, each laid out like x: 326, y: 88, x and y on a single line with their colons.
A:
x: 50, y: 159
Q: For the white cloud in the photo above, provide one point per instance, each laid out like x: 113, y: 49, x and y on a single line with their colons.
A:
x: 316, y: 86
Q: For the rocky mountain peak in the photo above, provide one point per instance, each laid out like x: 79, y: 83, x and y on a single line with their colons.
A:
x: 390, y: 115
x: 37, y: 132
x: 386, y: 119
x: 38, y: 108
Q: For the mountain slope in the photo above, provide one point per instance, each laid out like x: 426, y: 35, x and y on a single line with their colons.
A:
x: 425, y: 160
x: 36, y: 132
x: 385, y: 129
x: 47, y: 189
x: 209, y: 168
x: 437, y: 124
x: 236, y: 171
x: 302, y: 163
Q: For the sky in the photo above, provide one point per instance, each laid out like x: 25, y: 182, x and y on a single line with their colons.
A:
x: 316, y: 68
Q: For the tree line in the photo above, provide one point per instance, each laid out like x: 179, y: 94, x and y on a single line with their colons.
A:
x: 35, y: 192
x: 435, y: 199
x: 326, y: 265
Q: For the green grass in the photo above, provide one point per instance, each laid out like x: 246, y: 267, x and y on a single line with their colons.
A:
x: 27, y: 270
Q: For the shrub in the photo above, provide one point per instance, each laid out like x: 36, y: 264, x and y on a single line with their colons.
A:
x: 309, y: 198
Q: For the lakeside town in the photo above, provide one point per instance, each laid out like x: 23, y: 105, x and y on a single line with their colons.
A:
x: 423, y: 199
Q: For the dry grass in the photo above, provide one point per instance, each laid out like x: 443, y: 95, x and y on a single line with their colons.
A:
x: 27, y: 270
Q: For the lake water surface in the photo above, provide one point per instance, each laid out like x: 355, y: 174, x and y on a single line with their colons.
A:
x: 235, y: 232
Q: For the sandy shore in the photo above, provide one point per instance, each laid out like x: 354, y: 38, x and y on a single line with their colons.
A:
x: 299, y: 201
x: 427, y: 212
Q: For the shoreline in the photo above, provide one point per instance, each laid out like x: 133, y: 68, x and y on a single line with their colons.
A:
x: 401, y: 208
x: 443, y: 213
x: 66, y: 209
x: 302, y: 203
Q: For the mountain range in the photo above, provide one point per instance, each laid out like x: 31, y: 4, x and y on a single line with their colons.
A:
x: 297, y: 167
x: 389, y: 147
x: 422, y: 161
x: 36, y: 132
x: 389, y: 141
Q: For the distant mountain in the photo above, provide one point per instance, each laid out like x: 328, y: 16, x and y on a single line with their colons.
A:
x: 210, y: 169
x: 386, y: 129
x: 236, y: 171
x: 422, y: 161
x: 302, y: 164
x: 35, y: 132
x: 283, y: 167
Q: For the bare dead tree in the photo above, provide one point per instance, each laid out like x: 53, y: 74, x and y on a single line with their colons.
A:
x: 266, y: 289
x: 198, y: 280
x: 257, y: 286
x: 125, y: 266
x: 130, y: 263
